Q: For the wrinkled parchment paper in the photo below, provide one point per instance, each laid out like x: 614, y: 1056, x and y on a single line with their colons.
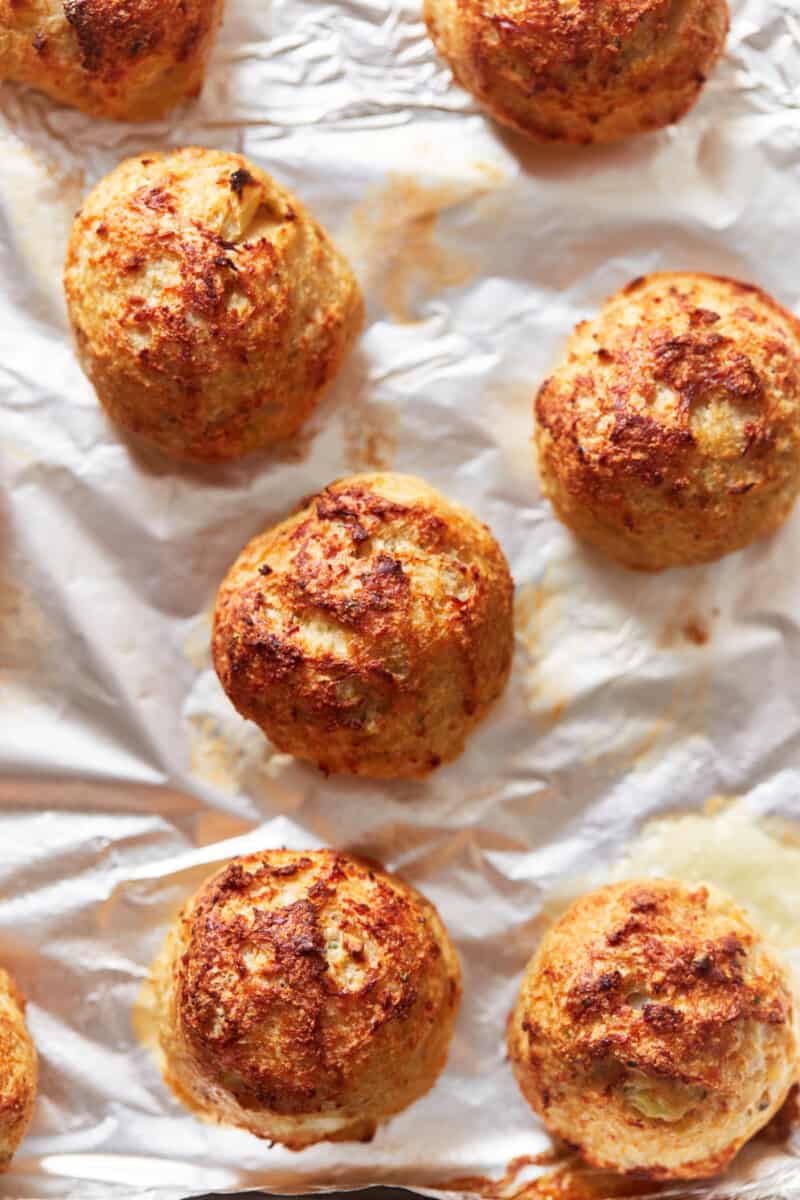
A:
x: 126, y: 776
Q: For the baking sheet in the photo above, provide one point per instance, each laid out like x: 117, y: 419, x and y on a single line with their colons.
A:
x: 125, y: 773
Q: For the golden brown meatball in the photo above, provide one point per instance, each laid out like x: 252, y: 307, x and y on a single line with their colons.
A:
x: 18, y: 1070
x: 305, y: 997
x: 210, y: 309
x: 670, y: 434
x: 581, y: 70
x: 371, y: 631
x: 654, y: 1030
x: 110, y: 58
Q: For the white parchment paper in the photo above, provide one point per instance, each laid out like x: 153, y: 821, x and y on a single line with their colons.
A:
x: 126, y: 775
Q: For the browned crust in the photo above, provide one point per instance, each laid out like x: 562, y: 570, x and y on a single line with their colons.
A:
x: 18, y: 1078
x: 110, y: 58
x: 669, y: 435
x: 581, y: 72
x: 370, y: 632
x: 209, y: 309
x: 651, y: 981
x: 307, y: 986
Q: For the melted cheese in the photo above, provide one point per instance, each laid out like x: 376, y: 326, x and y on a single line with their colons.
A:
x: 755, y: 861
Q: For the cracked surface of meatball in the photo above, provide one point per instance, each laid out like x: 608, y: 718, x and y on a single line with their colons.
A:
x: 655, y: 1030
x: 371, y: 631
x: 209, y: 308
x: 129, y: 61
x: 670, y: 433
x: 305, y: 997
x: 581, y: 70
x: 18, y: 1070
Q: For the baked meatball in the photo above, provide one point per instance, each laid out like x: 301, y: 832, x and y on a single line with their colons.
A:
x: 110, y: 58
x: 654, y: 1030
x: 209, y: 308
x: 18, y: 1070
x: 670, y: 434
x: 581, y: 70
x: 371, y: 631
x: 305, y: 997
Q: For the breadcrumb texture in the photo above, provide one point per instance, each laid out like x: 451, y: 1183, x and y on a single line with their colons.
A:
x: 670, y: 434
x: 654, y: 1030
x: 210, y: 310
x: 128, y: 60
x: 18, y: 1070
x: 371, y: 631
x: 306, y: 997
x: 581, y: 70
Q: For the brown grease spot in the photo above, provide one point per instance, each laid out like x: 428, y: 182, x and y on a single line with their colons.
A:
x: 370, y: 436
x: 537, y: 616
x: 393, y: 237
x: 509, y: 402
x: 24, y: 638
x: 687, y: 627
x: 369, y: 428
x: 569, y: 1181
x: 696, y: 632
x: 684, y: 717
x: 233, y: 759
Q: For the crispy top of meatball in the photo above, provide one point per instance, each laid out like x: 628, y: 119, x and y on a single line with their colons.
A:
x: 671, y: 431
x: 18, y: 1070
x: 369, y: 632
x: 655, y: 1030
x: 110, y: 58
x: 307, y: 996
x: 581, y: 70
x: 210, y: 310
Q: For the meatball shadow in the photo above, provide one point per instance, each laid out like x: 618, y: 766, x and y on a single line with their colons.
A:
x: 562, y: 161
x: 225, y: 474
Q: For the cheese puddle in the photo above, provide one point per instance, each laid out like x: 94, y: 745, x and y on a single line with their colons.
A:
x: 755, y: 860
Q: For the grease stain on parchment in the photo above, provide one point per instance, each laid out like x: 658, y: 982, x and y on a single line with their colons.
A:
x: 571, y: 1180
x: 232, y: 756
x: 197, y: 643
x: 370, y: 436
x: 41, y: 200
x: 683, y: 717
x: 537, y: 616
x: 395, y: 239
x: 509, y: 404
x: 234, y: 760
x: 16, y: 454
x: 688, y: 626
x: 213, y: 826
x: 597, y: 635
x: 145, y: 1021
x: 25, y: 635
x: 212, y: 757
x: 370, y: 427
